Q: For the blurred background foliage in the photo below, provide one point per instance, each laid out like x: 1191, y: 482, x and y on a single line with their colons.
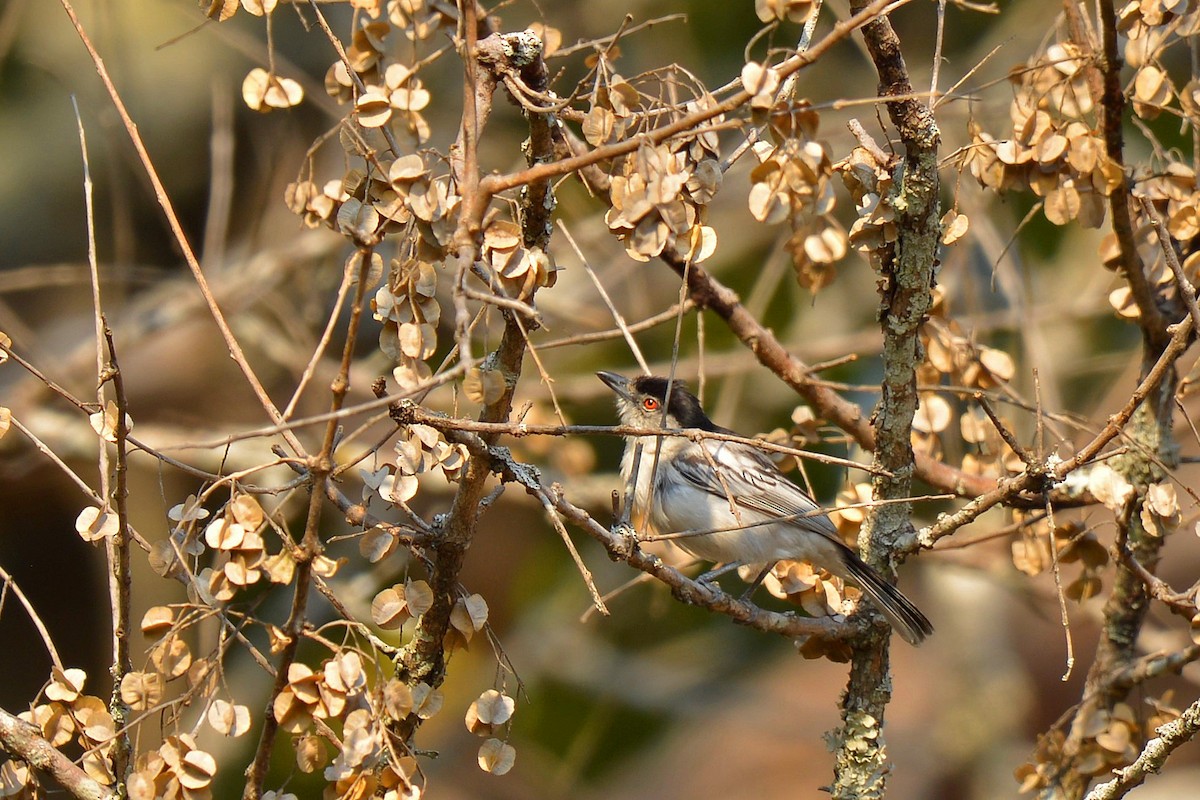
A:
x: 658, y: 700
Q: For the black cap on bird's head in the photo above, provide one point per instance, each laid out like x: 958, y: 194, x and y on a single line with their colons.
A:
x: 641, y: 400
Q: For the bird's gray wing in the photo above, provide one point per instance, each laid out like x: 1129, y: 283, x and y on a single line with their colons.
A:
x: 752, y: 482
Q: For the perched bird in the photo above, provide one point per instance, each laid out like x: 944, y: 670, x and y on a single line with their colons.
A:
x: 753, y: 512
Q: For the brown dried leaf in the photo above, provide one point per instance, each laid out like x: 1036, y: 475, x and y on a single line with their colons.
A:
x: 484, y: 386
x: 427, y: 701
x: 954, y: 227
x: 389, y: 609
x: 1162, y: 500
x: 105, y: 422
x: 998, y: 364
x: 93, y: 719
x: 263, y: 91
x: 933, y: 414
x: 142, y: 691
x: 310, y: 753
x: 221, y: 534
x: 197, y: 770
x: 94, y: 524
x: 496, y: 757
x: 246, y: 511
x: 469, y: 614
x: 259, y: 8
x: 1063, y: 204
x: 494, y: 708
x: 377, y: 544
x: 220, y: 10
x: 1121, y: 299
x: 397, y: 699
x: 228, y: 719
x: 292, y: 715
x: 760, y: 81
x: 55, y: 723
x: 171, y: 657
x: 66, y: 684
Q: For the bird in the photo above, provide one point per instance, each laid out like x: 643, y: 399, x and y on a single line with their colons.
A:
x: 750, y: 511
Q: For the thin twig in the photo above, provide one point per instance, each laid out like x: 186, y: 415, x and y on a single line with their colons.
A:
x: 1150, y: 318
x: 1153, y: 756
x: 668, y: 315
x: 511, y: 304
x: 407, y: 413
x: 168, y: 208
x: 449, y: 376
x: 1008, y: 436
x: 1166, y: 243
x: 1031, y: 480
x: 585, y: 573
x: 310, y: 547
x: 938, y: 40
x: 330, y: 324
x: 612, y: 309
x: 120, y: 577
x: 43, y: 631
x: 1064, y: 616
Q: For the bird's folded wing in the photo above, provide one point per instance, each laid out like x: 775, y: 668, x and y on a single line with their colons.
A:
x: 752, y: 482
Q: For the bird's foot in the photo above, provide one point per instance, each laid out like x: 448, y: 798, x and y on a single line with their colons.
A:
x: 710, y: 576
x: 757, y: 582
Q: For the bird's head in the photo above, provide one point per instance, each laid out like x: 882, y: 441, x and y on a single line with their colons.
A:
x: 641, y: 401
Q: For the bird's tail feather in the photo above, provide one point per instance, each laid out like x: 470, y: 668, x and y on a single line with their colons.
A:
x: 905, y: 617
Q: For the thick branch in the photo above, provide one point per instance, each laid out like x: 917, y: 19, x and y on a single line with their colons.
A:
x: 423, y: 658
x: 24, y: 741
x: 906, y: 288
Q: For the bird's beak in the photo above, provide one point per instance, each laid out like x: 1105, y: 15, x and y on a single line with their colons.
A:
x: 618, y: 383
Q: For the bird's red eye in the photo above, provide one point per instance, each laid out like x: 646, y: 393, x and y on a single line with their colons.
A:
x: 650, y: 404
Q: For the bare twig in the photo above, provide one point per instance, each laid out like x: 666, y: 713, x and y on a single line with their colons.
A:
x: 34, y: 617
x: 669, y: 315
x: 612, y: 309
x: 164, y: 201
x: 408, y: 413
x: 1166, y: 243
x: 585, y: 573
x: 120, y: 568
x: 320, y: 466
x: 330, y: 325
x: 1032, y: 480
x: 1008, y: 436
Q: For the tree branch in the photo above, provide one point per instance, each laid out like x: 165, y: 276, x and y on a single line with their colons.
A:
x: 24, y: 741
x: 861, y: 767
x: 1153, y: 756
